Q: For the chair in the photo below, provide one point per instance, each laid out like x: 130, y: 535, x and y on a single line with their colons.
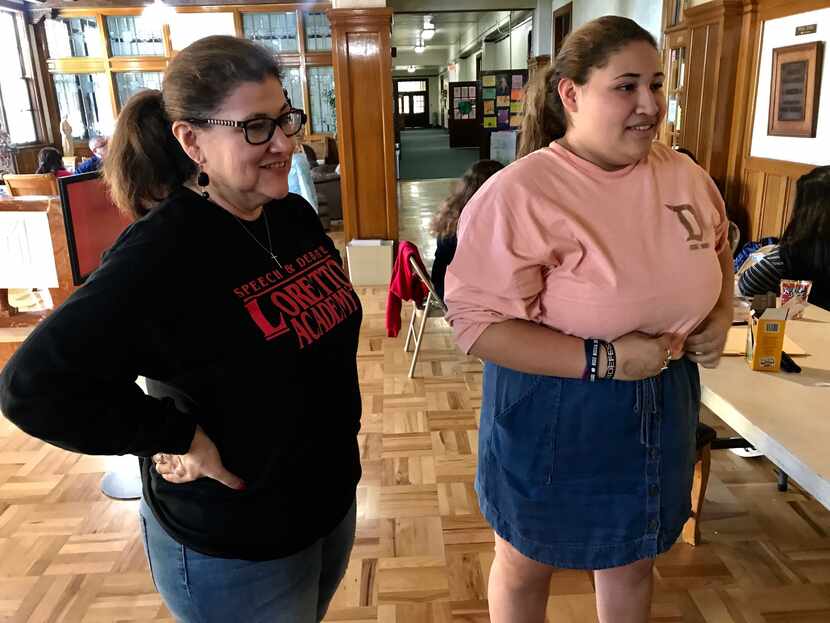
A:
x: 32, y: 184
x: 433, y: 307
x: 705, y: 435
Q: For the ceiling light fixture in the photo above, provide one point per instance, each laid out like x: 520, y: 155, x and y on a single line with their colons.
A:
x: 427, y: 34
x: 419, y: 49
x: 158, y: 13
x: 411, y: 69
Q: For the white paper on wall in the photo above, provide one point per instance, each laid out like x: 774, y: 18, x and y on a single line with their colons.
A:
x: 26, y: 256
x: 503, y: 147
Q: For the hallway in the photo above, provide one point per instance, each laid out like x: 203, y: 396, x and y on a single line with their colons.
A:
x: 426, y: 155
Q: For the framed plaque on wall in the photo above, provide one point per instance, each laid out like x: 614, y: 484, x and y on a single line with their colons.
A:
x: 794, y: 93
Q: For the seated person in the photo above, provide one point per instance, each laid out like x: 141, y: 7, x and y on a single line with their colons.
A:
x: 299, y: 176
x: 98, y: 146
x: 446, y: 219
x: 49, y: 161
x: 804, y: 249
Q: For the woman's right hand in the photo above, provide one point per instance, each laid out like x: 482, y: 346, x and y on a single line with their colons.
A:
x: 640, y: 356
x: 201, y: 461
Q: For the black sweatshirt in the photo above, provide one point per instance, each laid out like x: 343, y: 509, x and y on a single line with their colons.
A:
x: 260, y: 355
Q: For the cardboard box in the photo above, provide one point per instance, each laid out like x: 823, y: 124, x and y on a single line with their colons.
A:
x: 370, y: 262
x: 765, y: 340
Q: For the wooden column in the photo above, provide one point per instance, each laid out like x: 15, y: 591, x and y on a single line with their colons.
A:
x: 362, y: 57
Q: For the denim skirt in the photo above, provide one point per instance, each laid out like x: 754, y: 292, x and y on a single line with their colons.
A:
x: 586, y: 475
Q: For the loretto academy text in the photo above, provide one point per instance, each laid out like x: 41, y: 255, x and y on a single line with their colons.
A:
x: 308, y: 297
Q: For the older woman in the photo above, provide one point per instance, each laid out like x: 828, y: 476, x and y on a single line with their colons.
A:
x: 229, y: 298
x: 593, y: 276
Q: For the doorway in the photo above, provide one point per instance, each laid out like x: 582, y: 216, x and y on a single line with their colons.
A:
x: 412, y: 97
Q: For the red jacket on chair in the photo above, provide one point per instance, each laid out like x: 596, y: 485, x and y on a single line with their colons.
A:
x: 404, y: 286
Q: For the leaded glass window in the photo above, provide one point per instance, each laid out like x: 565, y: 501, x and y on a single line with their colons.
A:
x: 134, y: 35
x: 84, y: 100
x: 73, y: 36
x: 277, y: 31
x: 321, y: 94
x: 128, y: 83
x: 317, y: 32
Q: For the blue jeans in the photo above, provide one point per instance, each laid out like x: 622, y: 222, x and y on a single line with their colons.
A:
x: 200, y: 589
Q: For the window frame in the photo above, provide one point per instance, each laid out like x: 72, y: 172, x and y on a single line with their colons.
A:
x: 24, y: 51
x: 303, y: 59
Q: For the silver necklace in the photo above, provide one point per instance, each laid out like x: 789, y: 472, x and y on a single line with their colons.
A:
x: 269, y: 249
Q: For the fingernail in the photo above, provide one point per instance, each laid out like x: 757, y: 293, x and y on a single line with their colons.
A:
x: 242, y: 487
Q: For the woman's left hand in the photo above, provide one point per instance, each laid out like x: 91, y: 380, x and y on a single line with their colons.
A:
x: 706, y: 342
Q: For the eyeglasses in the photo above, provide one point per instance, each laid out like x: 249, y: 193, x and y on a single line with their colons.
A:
x: 260, y: 130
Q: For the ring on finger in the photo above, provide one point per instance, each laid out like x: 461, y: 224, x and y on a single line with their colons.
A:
x: 667, y: 360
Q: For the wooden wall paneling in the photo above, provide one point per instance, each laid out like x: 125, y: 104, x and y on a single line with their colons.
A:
x: 25, y: 158
x: 746, y: 80
x: 710, y: 94
x: 694, y: 89
x: 362, y: 57
x: 773, y: 194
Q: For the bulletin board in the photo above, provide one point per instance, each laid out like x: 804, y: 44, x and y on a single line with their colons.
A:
x: 502, y: 98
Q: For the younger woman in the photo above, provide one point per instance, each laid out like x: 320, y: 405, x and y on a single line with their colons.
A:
x: 592, y: 275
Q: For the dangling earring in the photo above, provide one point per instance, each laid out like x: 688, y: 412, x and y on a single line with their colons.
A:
x: 202, y: 180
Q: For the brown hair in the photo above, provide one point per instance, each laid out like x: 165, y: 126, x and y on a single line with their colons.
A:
x: 145, y: 161
x: 445, y: 221
x: 49, y: 160
x: 589, y: 46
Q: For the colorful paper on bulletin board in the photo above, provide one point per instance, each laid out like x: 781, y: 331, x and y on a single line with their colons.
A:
x: 502, y: 85
x: 489, y: 109
x: 504, y: 118
x: 471, y: 91
x: 488, y: 94
x: 517, y: 81
x: 456, y: 91
x: 489, y: 122
x: 488, y: 81
x: 502, y: 101
x: 515, y: 107
x: 517, y: 95
x: 515, y: 121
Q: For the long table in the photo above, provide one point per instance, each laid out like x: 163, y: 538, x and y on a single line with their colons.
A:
x: 785, y: 416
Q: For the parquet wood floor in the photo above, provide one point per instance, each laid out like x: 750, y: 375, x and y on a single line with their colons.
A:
x: 423, y: 552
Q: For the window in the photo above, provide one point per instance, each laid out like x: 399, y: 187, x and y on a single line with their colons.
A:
x: 134, y: 35
x: 321, y: 95
x: 84, y: 100
x: 417, y: 104
x: 128, y: 83
x: 277, y: 31
x: 74, y: 36
x: 292, y: 83
x: 411, y: 86
x: 317, y: 32
x: 15, y: 95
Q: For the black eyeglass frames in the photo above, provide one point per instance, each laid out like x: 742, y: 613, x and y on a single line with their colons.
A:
x: 260, y: 130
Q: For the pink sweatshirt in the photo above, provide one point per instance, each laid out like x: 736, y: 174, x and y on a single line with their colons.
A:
x: 555, y: 239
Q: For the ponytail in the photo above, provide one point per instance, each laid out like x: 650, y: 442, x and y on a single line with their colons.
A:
x: 544, y: 116
x: 144, y: 162
x: 589, y: 46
